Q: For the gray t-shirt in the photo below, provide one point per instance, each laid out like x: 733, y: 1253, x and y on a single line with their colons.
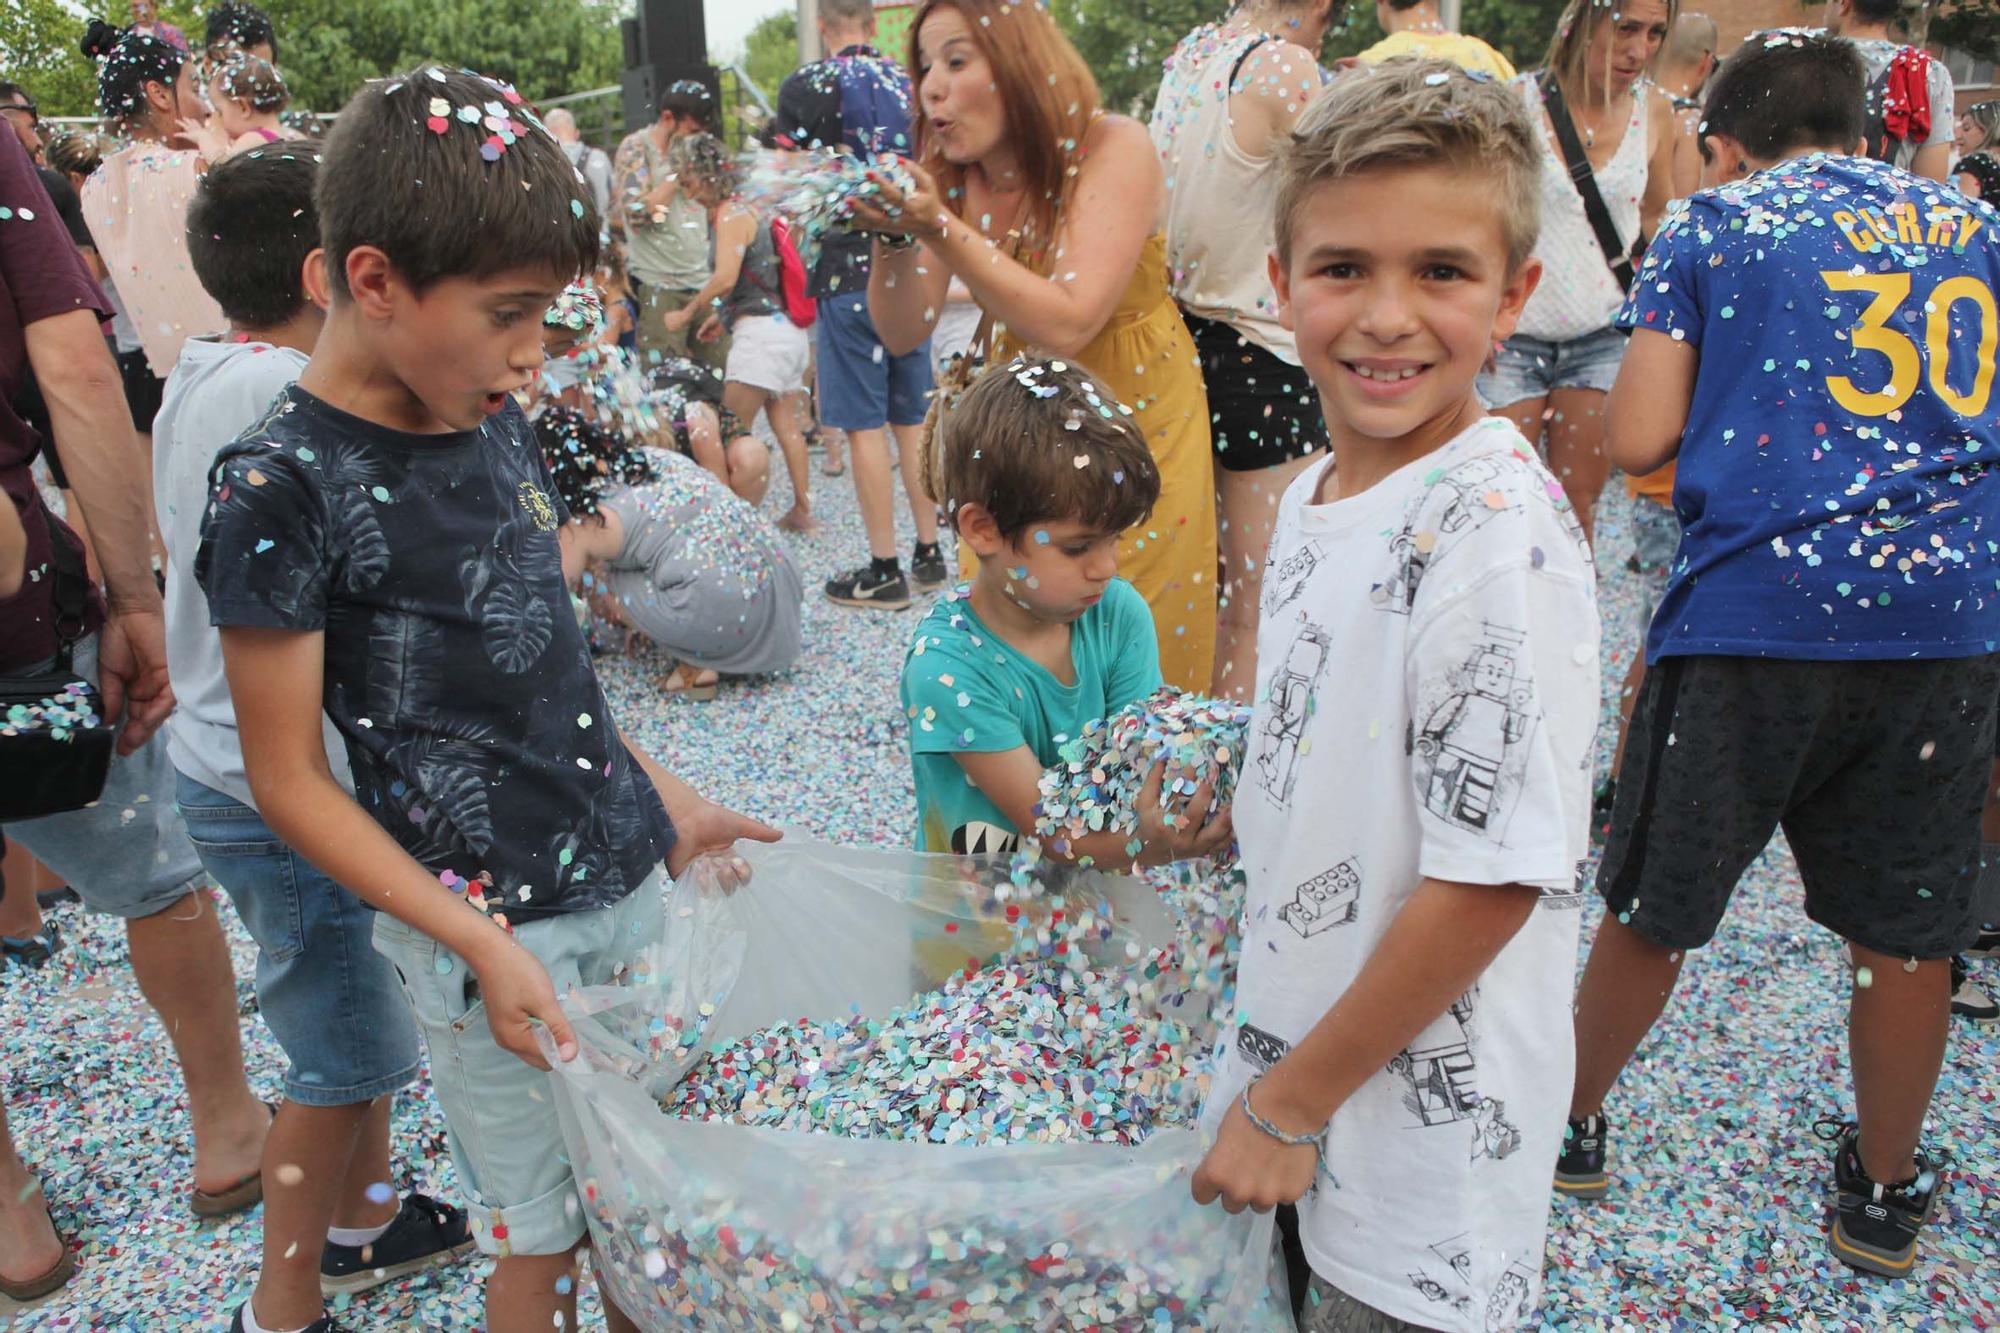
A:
x: 667, y: 247
x: 217, y: 391
x: 1876, y: 53
x: 703, y: 574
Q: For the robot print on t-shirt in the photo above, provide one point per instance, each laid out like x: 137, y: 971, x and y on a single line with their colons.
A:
x: 1462, y: 501
x: 1469, y: 735
x: 1294, y: 681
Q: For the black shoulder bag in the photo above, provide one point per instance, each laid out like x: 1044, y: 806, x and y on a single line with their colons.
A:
x: 1585, y: 181
x: 55, y: 743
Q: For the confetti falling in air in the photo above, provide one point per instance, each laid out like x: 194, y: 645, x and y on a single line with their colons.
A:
x: 1096, y: 786
x: 1715, y: 1220
x: 816, y: 191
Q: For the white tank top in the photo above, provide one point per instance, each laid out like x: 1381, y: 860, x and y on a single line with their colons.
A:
x: 1220, y: 200
x: 1578, y: 295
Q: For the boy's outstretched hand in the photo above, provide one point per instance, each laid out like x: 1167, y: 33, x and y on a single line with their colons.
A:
x: 1180, y: 836
x: 703, y: 826
x: 1247, y: 1168
x: 519, y: 997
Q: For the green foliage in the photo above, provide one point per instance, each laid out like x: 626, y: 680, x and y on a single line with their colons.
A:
x: 771, y: 52
x: 1973, y: 26
x: 328, y: 48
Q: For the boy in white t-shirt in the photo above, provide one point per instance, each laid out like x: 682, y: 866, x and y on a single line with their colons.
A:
x: 1414, y: 801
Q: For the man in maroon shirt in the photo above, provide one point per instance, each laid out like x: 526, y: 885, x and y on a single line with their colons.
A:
x: 49, y: 313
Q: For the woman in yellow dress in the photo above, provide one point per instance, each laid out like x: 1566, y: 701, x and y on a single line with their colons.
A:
x: 1047, y: 209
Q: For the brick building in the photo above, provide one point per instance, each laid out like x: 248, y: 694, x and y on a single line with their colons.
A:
x: 1974, y: 79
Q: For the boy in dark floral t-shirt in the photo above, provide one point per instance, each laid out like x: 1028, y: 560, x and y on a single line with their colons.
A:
x: 384, y: 546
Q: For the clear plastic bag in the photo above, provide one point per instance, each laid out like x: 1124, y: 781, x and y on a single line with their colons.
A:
x: 710, y: 1225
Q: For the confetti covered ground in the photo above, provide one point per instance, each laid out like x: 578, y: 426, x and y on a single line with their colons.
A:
x: 1715, y: 1219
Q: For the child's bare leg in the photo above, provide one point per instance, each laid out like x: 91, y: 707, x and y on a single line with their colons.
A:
x: 704, y: 437
x: 1625, y: 988
x: 749, y: 468
x: 1576, y: 451
x: 1896, y: 1029
x: 310, y: 1183
x: 522, y: 1294
x: 782, y: 413
x: 923, y: 505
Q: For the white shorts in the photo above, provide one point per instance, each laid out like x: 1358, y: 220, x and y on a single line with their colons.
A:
x: 768, y: 352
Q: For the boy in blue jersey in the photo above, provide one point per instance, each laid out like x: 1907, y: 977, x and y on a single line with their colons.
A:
x: 1814, y: 341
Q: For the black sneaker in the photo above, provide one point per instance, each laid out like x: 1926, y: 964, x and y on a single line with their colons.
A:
x: 928, y: 571
x: 424, y: 1232
x: 871, y: 589
x: 1968, y: 998
x: 1580, y: 1172
x: 1875, y: 1226
x: 1987, y: 945
x: 326, y: 1323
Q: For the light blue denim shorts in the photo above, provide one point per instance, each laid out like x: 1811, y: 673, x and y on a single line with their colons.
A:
x: 128, y: 854
x: 327, y: 996
x: 1533, y: 367
x: 499, y: 1111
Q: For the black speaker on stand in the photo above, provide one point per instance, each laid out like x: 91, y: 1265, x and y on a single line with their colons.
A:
x: 667, y: 42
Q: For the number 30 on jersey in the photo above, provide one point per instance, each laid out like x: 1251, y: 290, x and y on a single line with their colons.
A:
x: 1909, y: 365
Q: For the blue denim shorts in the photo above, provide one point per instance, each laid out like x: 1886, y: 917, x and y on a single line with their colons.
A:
x: 499, y: 1111
x: 1533, y: 367
x: 1656, y: 540
x: 327, y: 996
x: 127, y: 854
x: 862, y: 387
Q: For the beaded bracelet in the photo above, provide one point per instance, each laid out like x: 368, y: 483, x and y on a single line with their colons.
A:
x: 1289, y: 1140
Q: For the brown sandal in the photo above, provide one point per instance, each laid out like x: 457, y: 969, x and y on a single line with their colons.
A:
x: 244, y: 1195
x: 686, y: 681
x: 55, y: 1279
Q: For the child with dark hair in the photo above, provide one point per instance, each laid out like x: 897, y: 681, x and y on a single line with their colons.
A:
x: 662, y: 547
x: 254, y: 240
x: 1040, y: 469
x: 1813, y: 342
x: 743, y: 300
x: 247, y: 94
x: 383, y: 549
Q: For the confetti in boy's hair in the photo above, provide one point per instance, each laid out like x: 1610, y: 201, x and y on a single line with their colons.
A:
x: 1040, y: 439
x: 451, y: 174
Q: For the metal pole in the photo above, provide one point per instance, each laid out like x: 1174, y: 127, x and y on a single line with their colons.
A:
x: 808, y: 31
x: 1448, y: 10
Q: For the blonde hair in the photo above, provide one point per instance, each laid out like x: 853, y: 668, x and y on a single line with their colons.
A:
x: 1985, y: 115
x: 1574, y: 29
x: 1416, y: 113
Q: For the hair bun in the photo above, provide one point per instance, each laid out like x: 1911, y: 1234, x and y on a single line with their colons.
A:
x: 100, y: 39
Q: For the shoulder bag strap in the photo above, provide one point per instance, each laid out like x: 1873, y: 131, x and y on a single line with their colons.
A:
x: 69, y: 590
x: 1585, y: 180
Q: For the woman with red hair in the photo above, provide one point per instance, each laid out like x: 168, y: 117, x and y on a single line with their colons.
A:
x: 1047, y: 209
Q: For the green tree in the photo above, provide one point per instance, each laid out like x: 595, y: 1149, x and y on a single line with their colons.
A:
x: 1972, y: 26
x: 328, y: 48
x: 771, y: 52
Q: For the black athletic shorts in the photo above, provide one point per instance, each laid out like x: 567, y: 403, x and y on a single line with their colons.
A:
x: 1876, y: 771
x: 1262, y: 412
x: 142, y: 389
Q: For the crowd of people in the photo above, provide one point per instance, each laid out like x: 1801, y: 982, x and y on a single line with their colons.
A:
x: 1307, y: 394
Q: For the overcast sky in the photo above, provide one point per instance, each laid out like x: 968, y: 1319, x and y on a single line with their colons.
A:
x: 730, y: 21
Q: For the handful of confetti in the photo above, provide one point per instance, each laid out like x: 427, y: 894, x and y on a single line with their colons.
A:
x: 815, y: 192
x: 1096, y: 786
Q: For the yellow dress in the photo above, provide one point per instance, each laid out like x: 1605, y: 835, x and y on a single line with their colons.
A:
x: 1145, y: 356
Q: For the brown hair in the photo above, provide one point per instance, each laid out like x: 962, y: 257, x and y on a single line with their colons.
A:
x: 1050, y: 96
x: 1415, y: 113
x: 1040, y: 439
x: 1574, y: 28
x: 444, y: 196
x: 252, y: 79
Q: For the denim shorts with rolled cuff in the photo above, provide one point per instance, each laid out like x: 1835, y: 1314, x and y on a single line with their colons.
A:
x: 127, y: 854
x: 499, y: 1111
x: 1534, y: 367
x: 327, y: 996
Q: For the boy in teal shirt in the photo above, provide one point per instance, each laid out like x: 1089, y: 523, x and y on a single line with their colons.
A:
x: 1042, y: 470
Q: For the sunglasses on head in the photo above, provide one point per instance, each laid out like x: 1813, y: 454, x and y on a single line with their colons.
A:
x: 34, y: 115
